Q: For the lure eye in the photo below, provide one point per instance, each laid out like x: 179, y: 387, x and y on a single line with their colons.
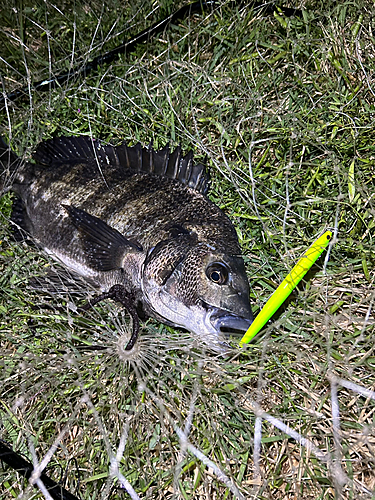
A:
x: 217, y: 273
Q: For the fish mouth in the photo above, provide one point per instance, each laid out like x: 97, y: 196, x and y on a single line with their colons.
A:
x: 228, y: 323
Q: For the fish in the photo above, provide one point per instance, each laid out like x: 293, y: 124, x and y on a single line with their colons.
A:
x: 138, y: 224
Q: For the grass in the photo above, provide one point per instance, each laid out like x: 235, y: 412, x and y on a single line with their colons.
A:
x: 284, y: 109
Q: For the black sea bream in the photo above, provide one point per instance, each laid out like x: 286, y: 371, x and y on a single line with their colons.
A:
x: 139, y: 221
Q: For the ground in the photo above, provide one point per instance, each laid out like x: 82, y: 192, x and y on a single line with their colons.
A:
x: 283, y: 109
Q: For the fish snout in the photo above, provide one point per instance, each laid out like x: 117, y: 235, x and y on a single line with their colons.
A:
x: 225, y: 322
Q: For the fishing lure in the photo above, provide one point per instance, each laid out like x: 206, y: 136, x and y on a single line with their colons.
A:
x: 287, y: 286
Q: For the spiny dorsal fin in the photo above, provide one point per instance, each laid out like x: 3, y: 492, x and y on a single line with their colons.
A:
x: 146, y: 160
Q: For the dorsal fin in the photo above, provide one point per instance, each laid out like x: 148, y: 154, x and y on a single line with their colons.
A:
x: 67, y: 149
x: 146, y: 160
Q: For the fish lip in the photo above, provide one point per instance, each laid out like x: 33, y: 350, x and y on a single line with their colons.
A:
x: 228, y: 323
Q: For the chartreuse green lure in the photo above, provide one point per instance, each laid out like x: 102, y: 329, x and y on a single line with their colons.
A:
x: 287, y: 286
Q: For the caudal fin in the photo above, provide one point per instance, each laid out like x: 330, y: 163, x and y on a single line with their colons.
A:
x: 9, y: 163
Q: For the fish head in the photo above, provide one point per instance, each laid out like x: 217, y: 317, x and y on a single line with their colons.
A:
x: 223, y: 288
x: 198, y: 288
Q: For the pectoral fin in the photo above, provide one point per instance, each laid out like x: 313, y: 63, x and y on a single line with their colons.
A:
x: 105, y: 247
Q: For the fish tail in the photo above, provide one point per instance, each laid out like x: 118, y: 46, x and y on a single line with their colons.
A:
x: 9, y: 163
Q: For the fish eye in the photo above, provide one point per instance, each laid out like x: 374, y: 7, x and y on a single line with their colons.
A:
x: 217, y: 273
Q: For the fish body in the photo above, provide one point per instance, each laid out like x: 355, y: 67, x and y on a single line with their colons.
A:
x: 140, y: 218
